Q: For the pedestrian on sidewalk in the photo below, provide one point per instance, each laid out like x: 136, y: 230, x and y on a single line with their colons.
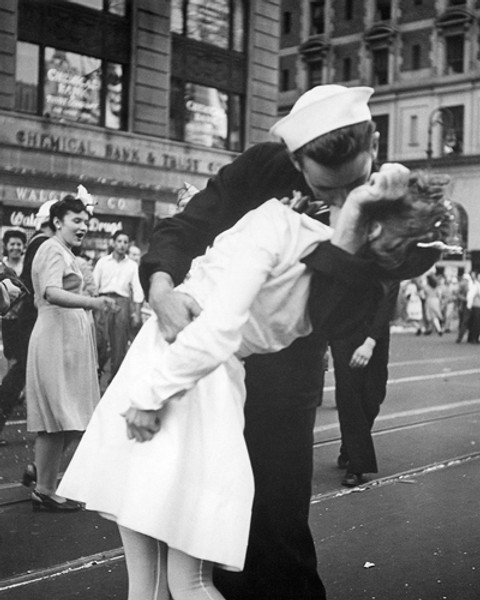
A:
x: 116, y: 277
x: 14, y: 242
x: 12, y: 386
x: 473, y: 305
x: 61, y: 384
x: 433, y: 311
x: 360, y: 361
x: 464, y: 313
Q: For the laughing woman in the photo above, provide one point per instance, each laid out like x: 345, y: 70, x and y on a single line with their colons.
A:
x: 62, y: 386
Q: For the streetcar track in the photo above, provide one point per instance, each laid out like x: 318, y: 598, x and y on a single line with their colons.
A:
x: 402, y: 477
x: 316, y: 445
x: 109, y: 557
x: 392, y: 428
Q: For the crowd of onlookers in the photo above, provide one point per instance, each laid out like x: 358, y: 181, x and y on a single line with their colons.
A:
x: 118, y: 280
x: 436, y: 303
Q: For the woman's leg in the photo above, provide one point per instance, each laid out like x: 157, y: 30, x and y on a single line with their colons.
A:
x: 190, y: 578
x: 146, y: 560
x: 48, y: 455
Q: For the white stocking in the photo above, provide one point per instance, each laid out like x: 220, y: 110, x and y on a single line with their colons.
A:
x: 190, y: 578
x: 146, y: 560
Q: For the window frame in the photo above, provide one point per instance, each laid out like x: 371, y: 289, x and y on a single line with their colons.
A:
x: 38, y: 23
x: 179, y: 85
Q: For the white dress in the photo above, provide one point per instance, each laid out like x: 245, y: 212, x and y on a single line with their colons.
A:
x: 191, y: 486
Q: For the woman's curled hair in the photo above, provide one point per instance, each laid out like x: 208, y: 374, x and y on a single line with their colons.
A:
x: 423, y: 215
x: 67, y: 204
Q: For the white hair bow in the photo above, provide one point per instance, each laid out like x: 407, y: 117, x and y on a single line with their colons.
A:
x: 86, y: 198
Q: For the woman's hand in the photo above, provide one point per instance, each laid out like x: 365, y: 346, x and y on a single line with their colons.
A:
x: 142, y: 425
x: 104, y: 303
x: 174, y: 310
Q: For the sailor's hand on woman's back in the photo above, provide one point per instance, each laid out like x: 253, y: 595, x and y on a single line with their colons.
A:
x: 174, y: 310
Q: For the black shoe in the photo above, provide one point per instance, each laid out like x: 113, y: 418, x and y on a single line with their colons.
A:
x: 353, y: 479
x: 47, y: 503
x: 29, y: 475
x: 342, y: 461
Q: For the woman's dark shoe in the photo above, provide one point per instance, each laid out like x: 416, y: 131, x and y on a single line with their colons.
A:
x: 49, y: 504
x: 29, y: 475
x: 354, y: 479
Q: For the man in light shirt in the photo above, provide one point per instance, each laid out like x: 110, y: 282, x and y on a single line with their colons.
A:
x: 116, y: 276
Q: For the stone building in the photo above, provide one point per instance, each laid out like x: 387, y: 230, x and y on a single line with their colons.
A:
x: 131, y: 98
x: 422, y: 58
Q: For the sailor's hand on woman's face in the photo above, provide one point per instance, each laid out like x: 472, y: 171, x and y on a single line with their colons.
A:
x: 389, y: 183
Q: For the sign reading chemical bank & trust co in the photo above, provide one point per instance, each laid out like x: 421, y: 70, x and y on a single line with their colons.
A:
x: 118, y: 147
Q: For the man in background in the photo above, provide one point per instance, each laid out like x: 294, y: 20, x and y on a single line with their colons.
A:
x: 116, y: 276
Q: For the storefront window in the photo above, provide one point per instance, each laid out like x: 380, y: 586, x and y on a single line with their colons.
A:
x: 72, y: 87
x: 26, y: 84
x: 75, y: 87
x: 205, y: 116
x: 210, y: 22
x: 114, y: 96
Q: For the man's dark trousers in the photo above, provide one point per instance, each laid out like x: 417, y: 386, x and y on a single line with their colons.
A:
x: 359, y: 392
x: 279, y: 437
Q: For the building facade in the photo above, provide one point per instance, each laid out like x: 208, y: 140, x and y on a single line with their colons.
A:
x: 423, y: 59
x: 130, y: 98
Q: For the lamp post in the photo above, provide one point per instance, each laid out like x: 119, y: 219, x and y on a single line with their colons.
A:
x: 444, y: 117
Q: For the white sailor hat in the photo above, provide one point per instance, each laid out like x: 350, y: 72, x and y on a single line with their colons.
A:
x: 43, y: 213
x: 321, y: 110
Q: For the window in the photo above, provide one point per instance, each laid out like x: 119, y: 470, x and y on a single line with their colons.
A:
x: 452, y: 130
x: 285, y: 80
x: 347, y: 69
x: 211, y: 22
x: 380, y: 66
x: 416, y: 57
x: 348, y: 10
x: 317, y: 17
x: 74, y: 87
x: 26, y: 81
x: 75, y: 77
x: 383, y: 10
x: 382, y: 124
x: 115, y: 7
x: 287, y: 22
x: 205, y: 116
x: 315, y: 73
x: 413, y: 131
x: 454, y: 50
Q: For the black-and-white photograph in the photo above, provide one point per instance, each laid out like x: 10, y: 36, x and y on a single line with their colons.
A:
x: 239, y: 299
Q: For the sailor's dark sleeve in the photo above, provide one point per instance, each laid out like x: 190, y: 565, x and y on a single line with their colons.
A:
x: 385, y: 309
x: 237, y: 188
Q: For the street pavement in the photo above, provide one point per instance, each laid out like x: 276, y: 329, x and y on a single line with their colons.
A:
x: 410, y: 533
